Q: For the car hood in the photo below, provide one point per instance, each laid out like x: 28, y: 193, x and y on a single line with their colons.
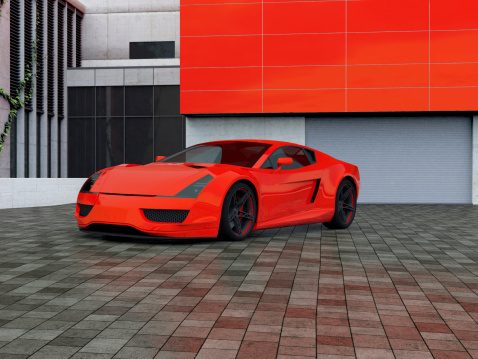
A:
x: 165, y: 179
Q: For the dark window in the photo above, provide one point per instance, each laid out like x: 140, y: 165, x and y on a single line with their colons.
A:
x: 139, y: 140
x: 110, y: 101
x: 166, y: 100
x: 60, y: 59
x: 81, y: 137
x: 168, y: 135
x: 296, y: 153
x: 151, y: 50
x: 81, y: 101
x: 109, y: 142
x: 51, y: 56
x: 139, y: 100
x: 28, y: 38
x: 78, y: 39
x: 243, y: 154
x: 69, y: 37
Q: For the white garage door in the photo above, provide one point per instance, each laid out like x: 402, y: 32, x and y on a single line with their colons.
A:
x: 401, y: 160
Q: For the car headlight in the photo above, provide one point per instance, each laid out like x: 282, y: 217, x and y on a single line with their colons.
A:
x: 193, y: 190
x: 90, y: 182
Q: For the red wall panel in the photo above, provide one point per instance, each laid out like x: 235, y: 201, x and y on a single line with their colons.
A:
x: 221, y: 51
x: 229, y: 19
x: 454, y: 46
x: 387, y: 15
x: 228, y: 78
x: 454, y: 99
x: 453, y: 15
x: 387, y: 76
x: 221, y: 101
x: 296, y: 49
x: 274, y: 56
x: 394, y: 99
x: 304, y: 77
x: 315, y: 17
x: 330, y: 100
x: 451, y: 75
x: 387, y: 48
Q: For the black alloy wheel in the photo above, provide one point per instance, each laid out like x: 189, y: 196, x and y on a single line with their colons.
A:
x: 239, y: 212
x: 345, y: 206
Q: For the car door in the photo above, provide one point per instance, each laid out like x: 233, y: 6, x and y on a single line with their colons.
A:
x: 290, y: 189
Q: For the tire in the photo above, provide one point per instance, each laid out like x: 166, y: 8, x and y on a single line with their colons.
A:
x: 239, y: 212
x: 345, y: 206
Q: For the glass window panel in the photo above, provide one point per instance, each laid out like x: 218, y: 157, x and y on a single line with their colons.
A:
x: 139, y: 100
x: 109, y: 142
x: 151, y: 50
x: 166, y: 100
x: 81, y: 101
x: 168, y: 135
x: 81, y: 136
x: 139, y: 140
x: 110, y: 101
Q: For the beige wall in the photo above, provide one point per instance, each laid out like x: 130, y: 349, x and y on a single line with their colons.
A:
x: 5, y: 83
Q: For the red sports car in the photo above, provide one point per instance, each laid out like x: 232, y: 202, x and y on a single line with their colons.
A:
x: 225, y: 188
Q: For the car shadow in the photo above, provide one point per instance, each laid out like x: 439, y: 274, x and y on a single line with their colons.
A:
x: 152, y: 240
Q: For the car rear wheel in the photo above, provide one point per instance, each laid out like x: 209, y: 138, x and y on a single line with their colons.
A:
x: 239, y: 212
x: 345, y: 206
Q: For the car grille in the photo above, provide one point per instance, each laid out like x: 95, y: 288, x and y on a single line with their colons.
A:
x: 85, y: 209
x: 166, y: 215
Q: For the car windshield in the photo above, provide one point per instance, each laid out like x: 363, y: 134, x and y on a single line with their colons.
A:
x: 243, y: 154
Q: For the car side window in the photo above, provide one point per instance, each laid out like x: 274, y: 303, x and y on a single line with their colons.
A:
x: 299, y: 158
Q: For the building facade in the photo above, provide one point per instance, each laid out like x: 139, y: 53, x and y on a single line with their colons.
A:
x: 390, y: 86
x: 49, y: 30
x: 387, y: 85
x: 124, y: 101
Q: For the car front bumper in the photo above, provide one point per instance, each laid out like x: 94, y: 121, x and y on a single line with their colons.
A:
x: 127, y: 210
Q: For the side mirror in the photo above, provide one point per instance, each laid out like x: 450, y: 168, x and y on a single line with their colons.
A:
x: 159, y: 158
x: 284, y: 161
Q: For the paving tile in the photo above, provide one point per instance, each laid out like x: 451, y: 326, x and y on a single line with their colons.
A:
x: 104, y: 346
x: 182, y: 344
x: 136, y: 353
x: 399, y: 282
x: 257, y: 350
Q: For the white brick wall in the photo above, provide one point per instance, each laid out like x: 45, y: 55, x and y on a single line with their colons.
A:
x: 204, y: 129
x: 34, y: 192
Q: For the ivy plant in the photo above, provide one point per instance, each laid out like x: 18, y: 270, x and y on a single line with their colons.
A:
x: 15, y: 99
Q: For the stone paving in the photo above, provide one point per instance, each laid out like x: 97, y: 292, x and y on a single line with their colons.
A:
x: 401, y: 282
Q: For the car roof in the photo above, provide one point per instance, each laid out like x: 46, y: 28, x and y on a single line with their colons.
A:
x: 270, y: 142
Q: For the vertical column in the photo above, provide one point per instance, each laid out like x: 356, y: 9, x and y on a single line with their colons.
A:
x: 5, y: 83
x: 20, y: 120
x: 63, y: 145
x: 54, y: 118
x: 474, y: 178
x: 32, y: 133
x: 43, y: 118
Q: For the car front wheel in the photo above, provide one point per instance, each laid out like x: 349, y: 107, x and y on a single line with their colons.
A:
x: 239, y: 212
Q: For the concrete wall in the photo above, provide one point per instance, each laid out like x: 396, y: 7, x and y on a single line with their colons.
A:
x: 203, y: 129
x: 109, y: 26
x: 5, y: 84
x: 34, y: 192
x: 145, y: 76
